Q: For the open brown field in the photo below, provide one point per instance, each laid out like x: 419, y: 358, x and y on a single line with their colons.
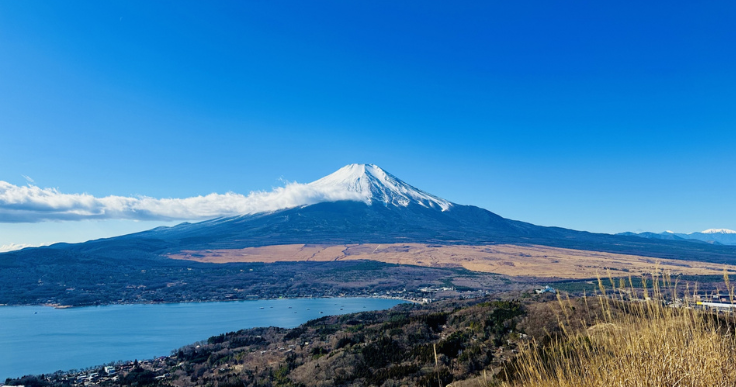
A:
x: 513, y: 260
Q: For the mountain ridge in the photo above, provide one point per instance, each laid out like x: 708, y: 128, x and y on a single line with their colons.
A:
x: 713, y: 236
x: 381, y: 209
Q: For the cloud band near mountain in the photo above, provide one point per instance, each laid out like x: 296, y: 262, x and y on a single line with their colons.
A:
x: 33, y: 204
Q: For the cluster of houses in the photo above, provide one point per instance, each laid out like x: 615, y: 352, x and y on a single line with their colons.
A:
x: 106, y: 374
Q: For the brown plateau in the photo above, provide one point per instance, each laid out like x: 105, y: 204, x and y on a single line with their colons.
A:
x: 513, y: 260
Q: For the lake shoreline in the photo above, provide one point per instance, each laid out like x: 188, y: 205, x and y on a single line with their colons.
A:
x: 58, y: 306
x: 78, y: 337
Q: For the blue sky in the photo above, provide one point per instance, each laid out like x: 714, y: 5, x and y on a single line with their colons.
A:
x: 601, y: 117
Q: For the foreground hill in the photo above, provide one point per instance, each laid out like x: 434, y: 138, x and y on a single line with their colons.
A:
x: 513, y: 340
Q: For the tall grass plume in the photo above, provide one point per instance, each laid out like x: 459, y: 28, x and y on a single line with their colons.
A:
x: 637, y: 340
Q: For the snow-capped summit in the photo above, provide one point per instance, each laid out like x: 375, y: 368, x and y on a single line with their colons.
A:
x: 369, y: 183
x: 718, y: 231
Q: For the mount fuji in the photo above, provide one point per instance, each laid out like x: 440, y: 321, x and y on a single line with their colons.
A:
x: 362, y: 203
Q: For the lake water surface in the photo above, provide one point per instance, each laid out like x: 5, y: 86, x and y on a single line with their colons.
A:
x: 37, y: 339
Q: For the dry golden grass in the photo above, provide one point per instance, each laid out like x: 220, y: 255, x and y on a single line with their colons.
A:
x: 537, y: 261
x: 648, y: 344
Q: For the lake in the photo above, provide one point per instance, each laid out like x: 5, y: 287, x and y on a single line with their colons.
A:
x: 38, y: 339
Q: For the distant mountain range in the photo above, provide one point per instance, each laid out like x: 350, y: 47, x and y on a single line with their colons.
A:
x: 717, y: 236
x: 381, y: 209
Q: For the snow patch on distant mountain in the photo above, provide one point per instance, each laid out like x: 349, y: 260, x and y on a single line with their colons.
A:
x: 718, y: 231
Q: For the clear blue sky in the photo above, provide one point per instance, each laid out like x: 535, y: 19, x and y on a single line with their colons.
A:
x: 607, y: 117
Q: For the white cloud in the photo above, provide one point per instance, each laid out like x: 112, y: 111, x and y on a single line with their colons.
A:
x: 33, y: 204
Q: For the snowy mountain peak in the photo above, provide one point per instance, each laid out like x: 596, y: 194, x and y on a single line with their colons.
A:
x: 718, y: 231
x: 369, y: 183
